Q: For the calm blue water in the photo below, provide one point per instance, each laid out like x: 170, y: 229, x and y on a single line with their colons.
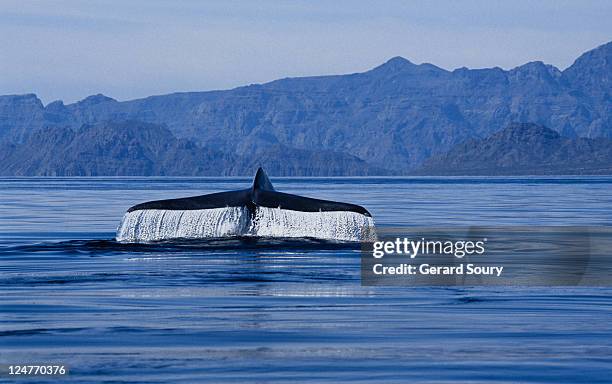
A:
x: 235, y: 313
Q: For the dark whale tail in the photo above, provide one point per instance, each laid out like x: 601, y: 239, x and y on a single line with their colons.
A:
x: 258, y: 210
x: 261, y: 194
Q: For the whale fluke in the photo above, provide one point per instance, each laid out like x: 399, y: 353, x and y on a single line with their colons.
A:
x: 256, y: 211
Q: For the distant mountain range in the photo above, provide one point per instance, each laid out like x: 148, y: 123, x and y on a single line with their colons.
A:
x: 398, y: 118
x: 524, y: 149
x: 133, y: 148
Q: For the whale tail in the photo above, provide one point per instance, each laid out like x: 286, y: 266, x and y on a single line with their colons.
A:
x: 256, y: 211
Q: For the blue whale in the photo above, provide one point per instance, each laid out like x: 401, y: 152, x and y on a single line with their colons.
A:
x: 259, y: 210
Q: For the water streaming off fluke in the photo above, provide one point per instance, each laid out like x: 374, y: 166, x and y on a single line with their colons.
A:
x: 159, y: 224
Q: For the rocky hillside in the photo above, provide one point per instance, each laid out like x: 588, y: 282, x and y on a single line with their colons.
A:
x: 524, y: 149
x: 141, y: 149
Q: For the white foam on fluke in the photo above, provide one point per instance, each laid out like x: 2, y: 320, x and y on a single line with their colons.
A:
x: 161, y: 224
x: 335, y: 225
x: 157, y: 224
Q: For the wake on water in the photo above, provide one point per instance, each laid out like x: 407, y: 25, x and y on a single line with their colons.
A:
x: 96, y: 247
x: 151, y: 225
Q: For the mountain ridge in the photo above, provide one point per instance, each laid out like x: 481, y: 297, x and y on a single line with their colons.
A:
x: 394, y: 116
x: 390, y: 61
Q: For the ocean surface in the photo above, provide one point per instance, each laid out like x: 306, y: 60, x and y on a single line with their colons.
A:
x: 288, y: 312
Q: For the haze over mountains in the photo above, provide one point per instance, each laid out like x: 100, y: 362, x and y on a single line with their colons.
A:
x: 389, y: 120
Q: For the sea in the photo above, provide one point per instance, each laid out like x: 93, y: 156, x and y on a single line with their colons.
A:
x: 240, y: 311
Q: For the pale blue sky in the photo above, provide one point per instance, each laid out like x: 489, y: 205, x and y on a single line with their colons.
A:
x: 128, y: 49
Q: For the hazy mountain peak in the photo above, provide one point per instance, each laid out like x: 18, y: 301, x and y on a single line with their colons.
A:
x: 598, y: 57
x: 535, y: 66
x: 395, y: 64
x: 592, y: 71
x: 28, y: 98
x: 55, y: 104
x: 398, y: 60
x: 95, y: 99
x: 536, y: 69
